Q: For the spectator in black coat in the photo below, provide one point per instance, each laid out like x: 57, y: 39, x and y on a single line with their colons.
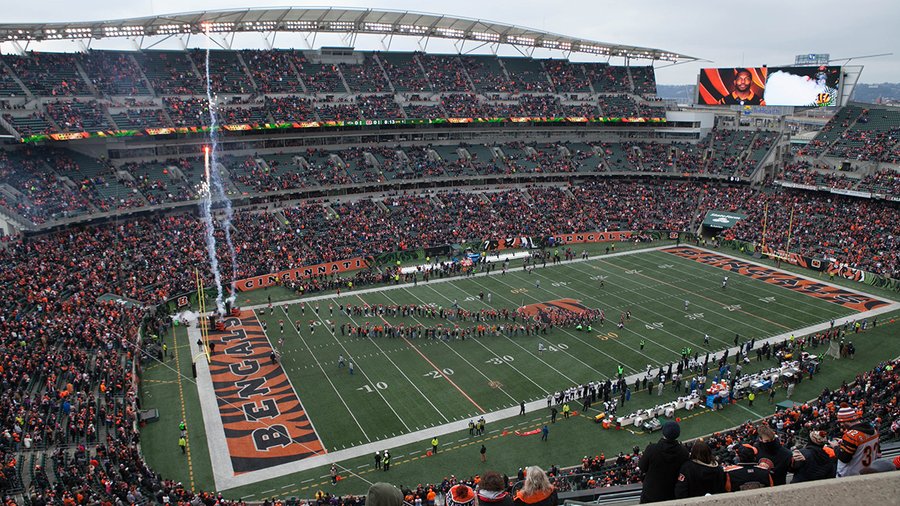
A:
x: 492, y: 490
x: 816, y: 461
x: 701, y: 475
x: 771, y: 454
x: 660, y: 465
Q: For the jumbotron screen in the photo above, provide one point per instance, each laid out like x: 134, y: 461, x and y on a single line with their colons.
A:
x: 778, y: 86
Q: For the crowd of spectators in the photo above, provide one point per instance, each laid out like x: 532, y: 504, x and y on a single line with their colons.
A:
x: 379, y: 107
x: 858, y: 232
x: 69, y: 379
x: 187, y: 112
x: 617, y: 106
x: 272, y: 71
x: 171, y: 72
x: 78, y: 116
x: 882, y: 181
x: 137, y: 118
x: 605, y: 78
x: 445, y: 73
x: 290, y: 108
x: 114, y: 73
x: 567, y: 77
x: 366, y: 77
x: 319, y: 77
x: 804, y: 172
x: 404, y: 71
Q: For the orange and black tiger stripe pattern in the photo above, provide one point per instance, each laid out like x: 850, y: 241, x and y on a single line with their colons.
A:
x: 265, y: 423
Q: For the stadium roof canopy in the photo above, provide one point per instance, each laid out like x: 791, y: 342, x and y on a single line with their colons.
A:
x: 314, y: 20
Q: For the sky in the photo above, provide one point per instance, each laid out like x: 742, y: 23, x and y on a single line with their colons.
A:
x: 764, y: 32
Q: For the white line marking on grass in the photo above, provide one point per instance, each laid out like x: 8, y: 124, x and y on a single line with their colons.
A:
x: 635, y: 318
x: 564, y: 352
x: 326, y: 377
x: 307, y: 481
x: 476, y: 369
x: 754, y: 413
x: 695, y: 294
x: 493, y: 431
x: 410, y: 381
x: 363, y: 372
x: 272, y: 490
x: 713, y: 303
x: 745, y: 284
x: 508, y: 364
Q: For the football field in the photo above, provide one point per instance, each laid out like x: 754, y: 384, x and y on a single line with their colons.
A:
x: 283, y: 399
x: 400, y: 385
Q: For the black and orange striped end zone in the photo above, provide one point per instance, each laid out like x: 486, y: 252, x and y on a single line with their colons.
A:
x: 265, y: 423
x: 846, y: 298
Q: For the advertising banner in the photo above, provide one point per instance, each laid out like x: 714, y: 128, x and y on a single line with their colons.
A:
x: 245, y: 285
x: 722, y: 219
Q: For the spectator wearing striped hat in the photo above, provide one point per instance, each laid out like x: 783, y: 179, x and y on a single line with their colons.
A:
x: 858, y: 447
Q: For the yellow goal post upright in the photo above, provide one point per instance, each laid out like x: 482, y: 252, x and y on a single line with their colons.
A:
x: 202, y: 317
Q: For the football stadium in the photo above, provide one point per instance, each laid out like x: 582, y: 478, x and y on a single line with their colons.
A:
x: 510, y: 272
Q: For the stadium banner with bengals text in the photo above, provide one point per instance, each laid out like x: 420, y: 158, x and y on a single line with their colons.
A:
x: 245, y: 285
x: 591, y: 237
x: 264, y: 421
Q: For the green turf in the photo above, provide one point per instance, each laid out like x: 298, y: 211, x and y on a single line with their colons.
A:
x: 396, y: 389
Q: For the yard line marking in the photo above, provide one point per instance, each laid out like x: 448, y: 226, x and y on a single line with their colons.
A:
x: 291, y: 320
x: 410, y: 381
x: 637, y: 319
x: 436, y: 368
x: 758, y: 416
x: 750, y: 286
x: 441, y: 371
x: 555, y: 328
x: 745, y: 283
x: 359, y: 366
x: 701, y: 296
x: 514, y: 368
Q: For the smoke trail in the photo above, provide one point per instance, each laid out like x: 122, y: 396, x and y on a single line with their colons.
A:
x: 206, y: 201
x: 216, y: 178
